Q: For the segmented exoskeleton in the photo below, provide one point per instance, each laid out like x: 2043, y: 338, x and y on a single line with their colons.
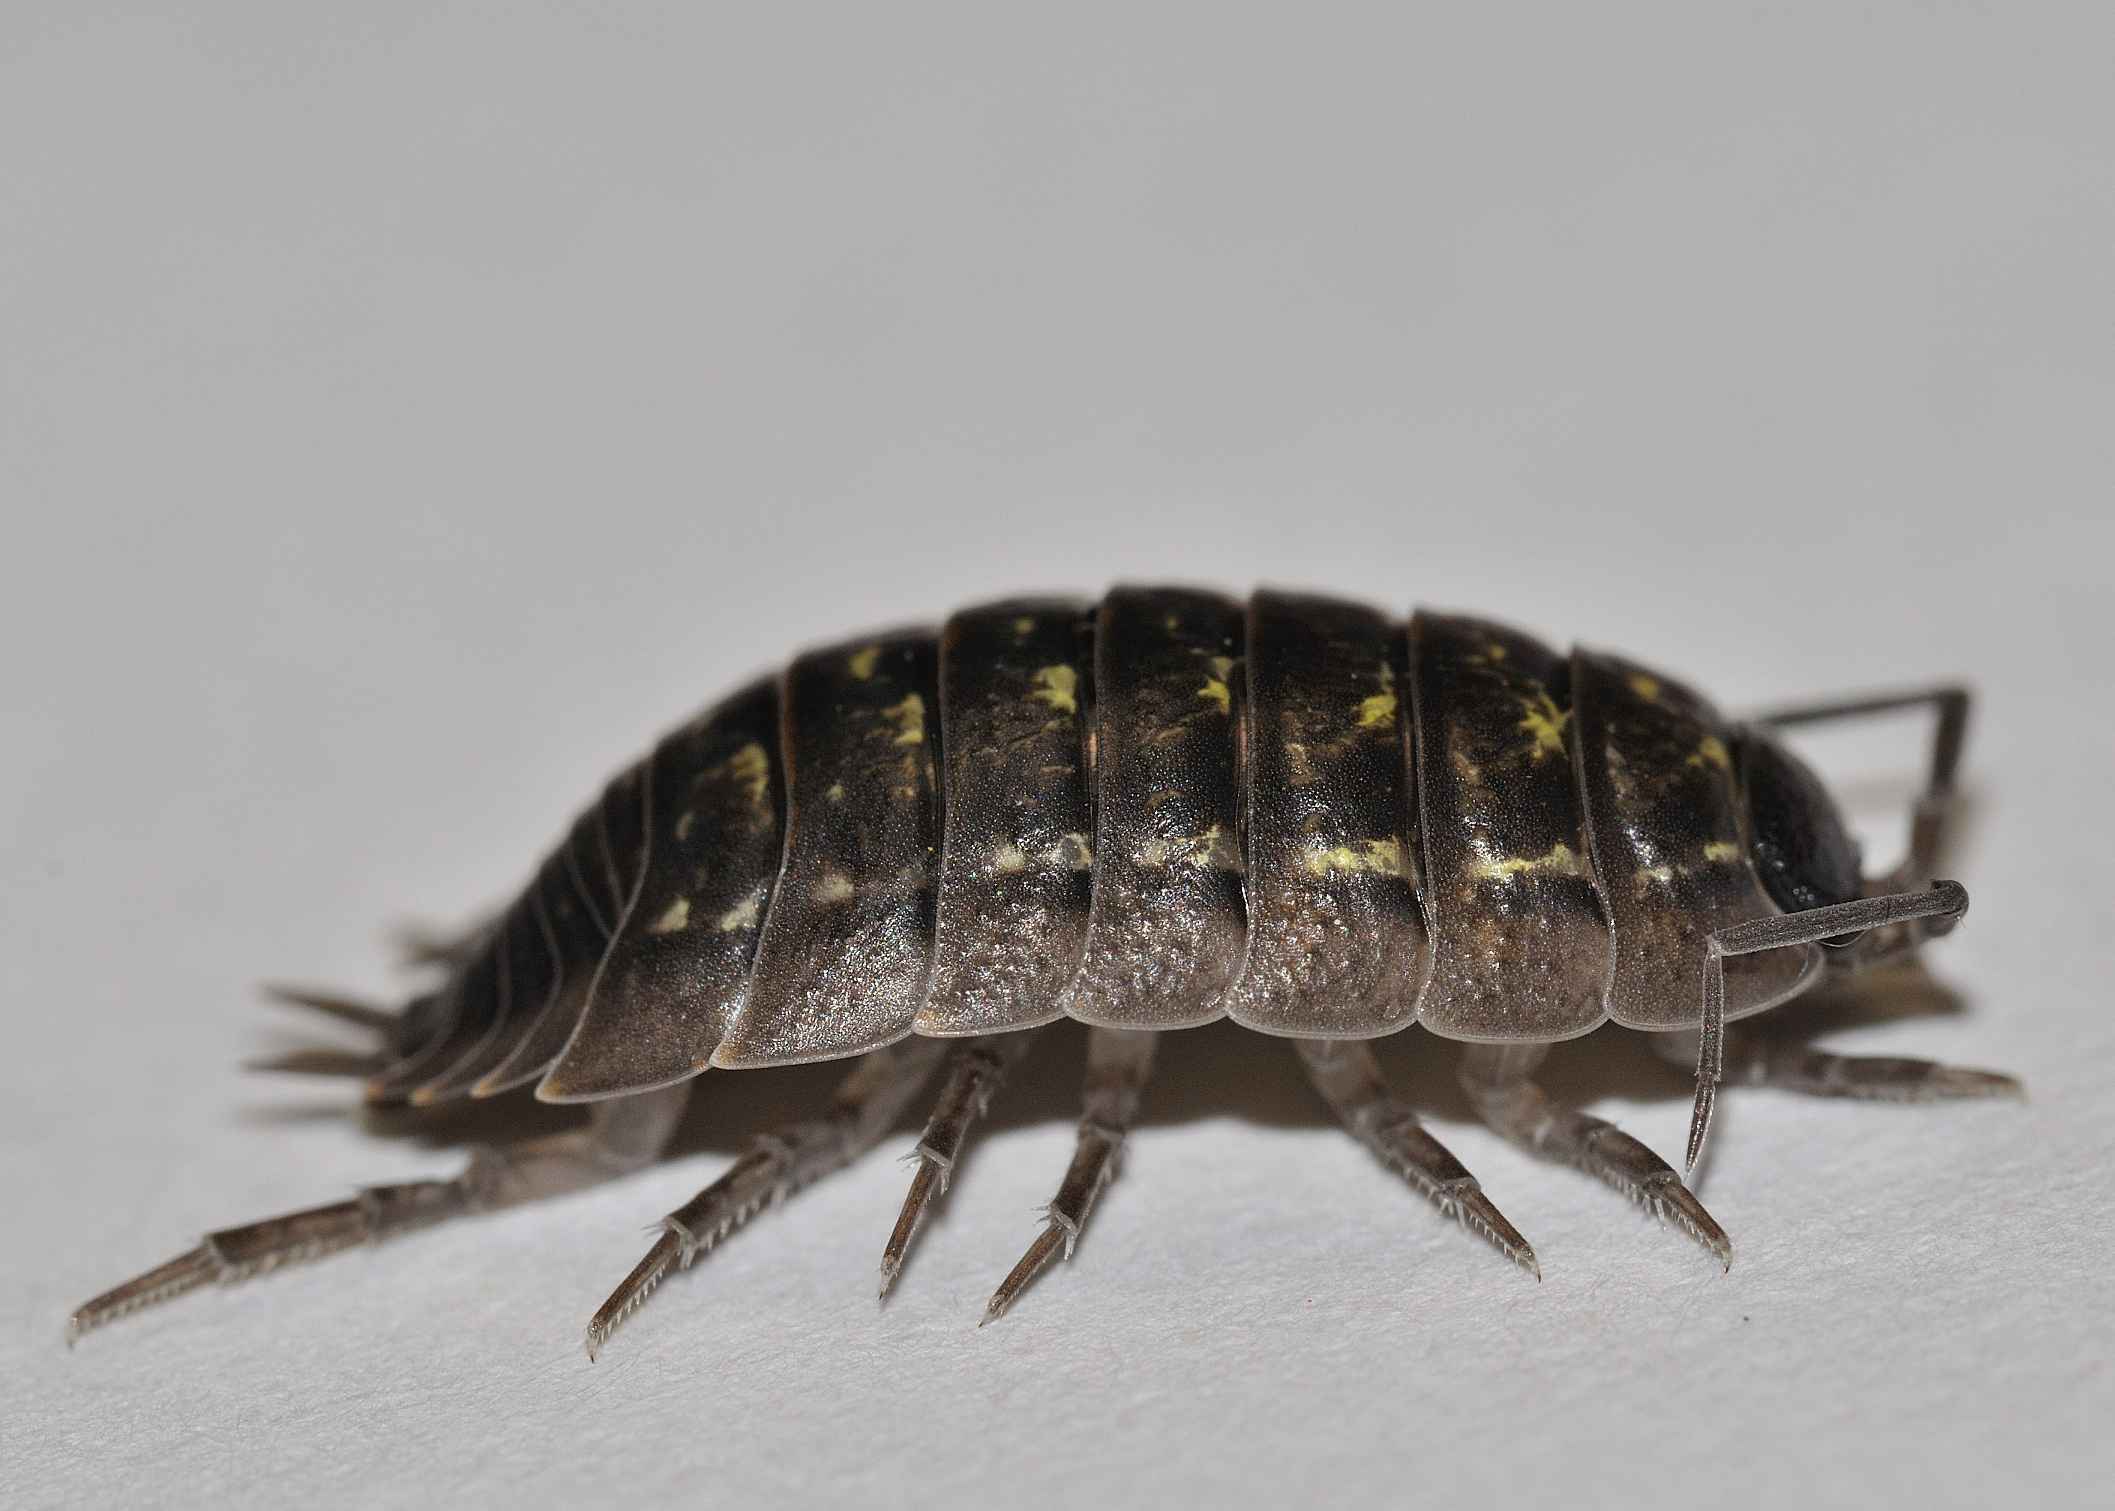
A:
x: 1146, y: 814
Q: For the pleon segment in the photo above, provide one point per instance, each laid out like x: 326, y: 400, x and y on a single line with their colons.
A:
x: 1165, y: 927
x: 1017, y: 844
x: 679, y: 970
x: 504, y: 1013
x: 1664, y: 814
x: 1519, y: 936
x: 1336, y: 939
x: 573, y: 902
x: 623, y: 811
x: 528, y: 972
x: 848, y: 939
x: 468, y: 1004
x: 484, y: 1009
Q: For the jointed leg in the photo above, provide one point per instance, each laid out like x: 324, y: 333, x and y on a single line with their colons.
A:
x: 974, y: 1075
x: 1118, y: 1064
x: 1497, y: 1080
x: 1924, y: 914
x: 774, y: 1166
x: 1350, y: 1080
x: 1757, y: 1059
x: 623, y: 1134
x: 1898, y: 912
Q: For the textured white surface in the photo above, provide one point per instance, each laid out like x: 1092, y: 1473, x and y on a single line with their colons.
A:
x: 401, y: 422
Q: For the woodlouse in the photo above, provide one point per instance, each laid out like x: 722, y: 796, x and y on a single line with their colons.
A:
x: 1145, y: 814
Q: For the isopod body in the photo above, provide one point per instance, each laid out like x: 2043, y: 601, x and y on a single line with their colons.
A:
x: 1145, y: 814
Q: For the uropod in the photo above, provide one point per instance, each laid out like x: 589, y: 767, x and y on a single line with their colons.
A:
x: 911, y: 850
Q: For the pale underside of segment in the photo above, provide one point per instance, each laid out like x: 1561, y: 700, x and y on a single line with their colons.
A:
x: 1336, y: 942
x: 1166, y: 921
x: 1519, y: 934
x: 1017, y: 848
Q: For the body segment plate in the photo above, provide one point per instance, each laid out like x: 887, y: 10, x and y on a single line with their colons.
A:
x: 1336, y: 938
x: 526, y: 976
x: 574, y: 902
x: 536, y: 976
x: 1520, y: 938
x: 1017, y: 843
x: 1665, y: 818
x: 679, y: 970
x: 473, y: 1004
x: 486, y: 1008
x: 847, y: 941
x: 1166, y: 923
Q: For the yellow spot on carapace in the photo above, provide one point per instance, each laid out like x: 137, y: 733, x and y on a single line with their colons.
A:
x: 1377, y: 712
x: 675, y: 920
x: 1215, y: 690
x: 1059, y: 687
x: 1544, y: 722
x: 743, y: 915
x: 861, y: 662
x: 909, y: 719
x: 1711, y: 751
x: 1645, y: 687
x: 751, y: 767
x: 1203, y: 852
x: 833, y: 886
x: 1721, y: 850
x: 836, y: 792
x: 1383, y: 857
x: 1077, y: 853
x: 1213, y: 850
x: 1009, y: 859
x: 1561, y: 860
x: 684, y: 822
x: 1494, y: 651
x: 1023, y: 627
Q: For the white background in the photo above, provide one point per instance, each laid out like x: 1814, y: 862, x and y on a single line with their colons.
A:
x: 403, y: 418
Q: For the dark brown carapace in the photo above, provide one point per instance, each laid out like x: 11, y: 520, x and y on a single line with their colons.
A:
x: 1147, y: 814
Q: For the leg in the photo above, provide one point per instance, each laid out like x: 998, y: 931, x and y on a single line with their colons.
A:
x: 1756, y: 1059
x: 1350, y: 1080
x: 1118, y: 1064
x: 623, y: 1134
x: 774, y: 1166
x: 975, y: 1073
x: 1925, y: 914
x: 1497, y: 1079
